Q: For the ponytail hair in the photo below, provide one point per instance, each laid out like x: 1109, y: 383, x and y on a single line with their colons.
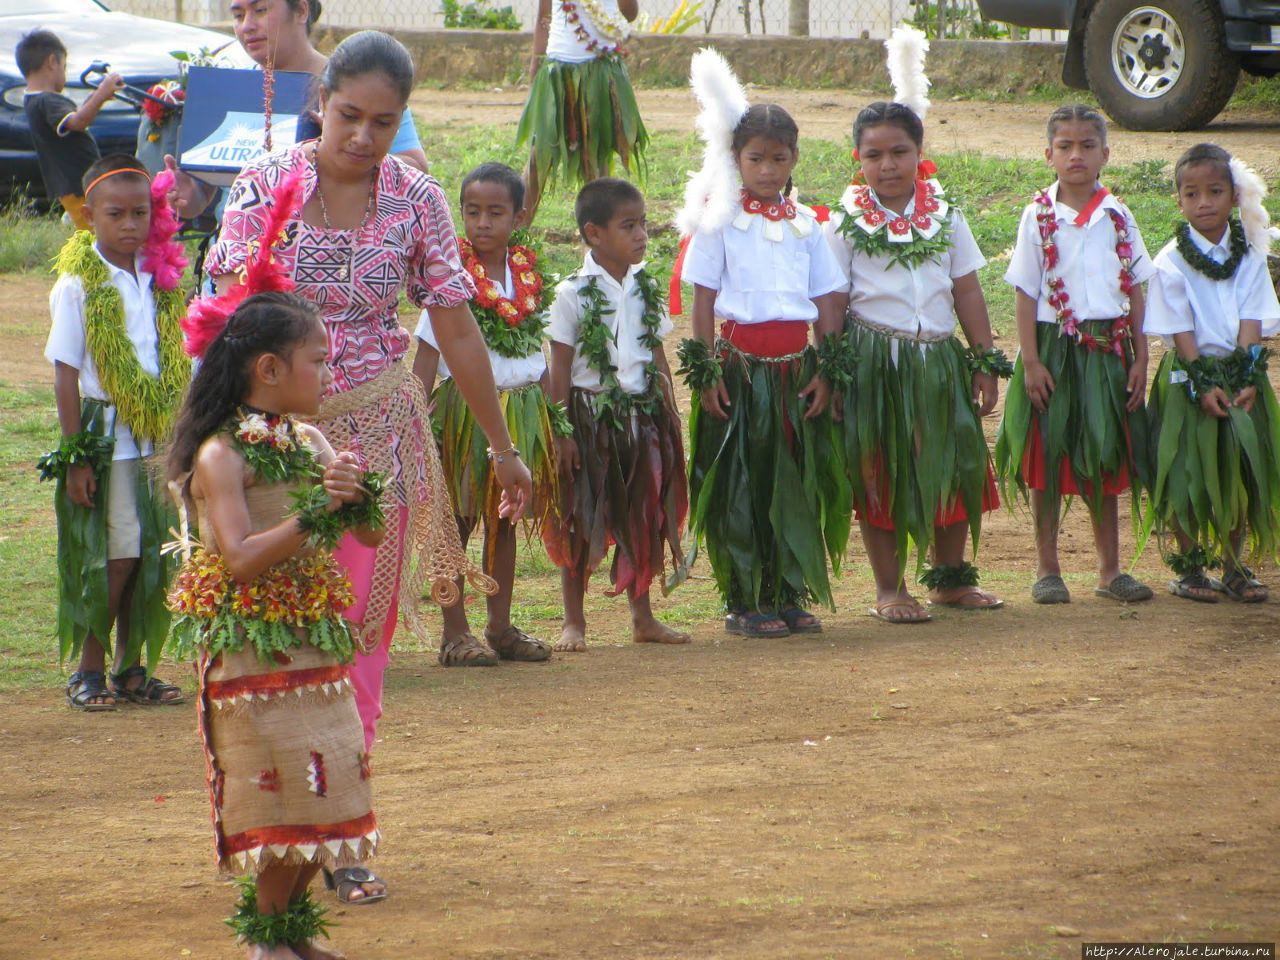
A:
x: 892, y: 113
x: 770, y: 121
x: 271, y: 322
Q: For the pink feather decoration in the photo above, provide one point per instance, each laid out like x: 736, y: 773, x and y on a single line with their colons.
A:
x: 263, y: 271
x: 162, y: 256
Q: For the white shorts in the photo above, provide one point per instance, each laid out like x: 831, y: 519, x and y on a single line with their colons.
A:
x: 124, y: 532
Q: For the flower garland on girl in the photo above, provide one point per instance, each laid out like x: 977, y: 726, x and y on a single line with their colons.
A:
x: 907, y: 241
x: 614, y: 29
x: 1058, y: 298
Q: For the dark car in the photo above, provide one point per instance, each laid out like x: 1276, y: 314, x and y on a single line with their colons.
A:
x: 1158, y: 64
x: 138, y: 47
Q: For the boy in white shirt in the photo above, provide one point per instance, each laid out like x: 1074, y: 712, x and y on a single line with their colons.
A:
x: 1074, y: 423
x: 119, y: 373
x: 1213, y: 412
x: 622, y: 470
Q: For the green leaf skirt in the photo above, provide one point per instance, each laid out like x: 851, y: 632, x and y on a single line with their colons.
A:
x: 630, y: 490
x: 768, y: 491
x: 464, y: 454
x: 578, y: 117
x: 1213, y: 476
x: 1087, y: 444
x: 83, y: 606
x: 913, y: 440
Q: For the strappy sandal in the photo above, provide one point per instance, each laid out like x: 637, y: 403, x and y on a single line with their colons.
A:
x: 1195, y: 586
x: 86, y: 690
x: 752, y: 624
x: 346, y: 879
x: 800, y: 621
x: 1242, y: 586
x: 514, y: 644
x: 466, y: 651
x: 151, y: 691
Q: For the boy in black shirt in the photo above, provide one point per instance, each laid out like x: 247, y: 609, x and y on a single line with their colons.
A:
x: 59, y: 128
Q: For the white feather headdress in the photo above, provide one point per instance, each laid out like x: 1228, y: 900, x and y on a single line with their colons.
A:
x: 1250, y: 190
x: 711, y: 195
x: 906, y: 48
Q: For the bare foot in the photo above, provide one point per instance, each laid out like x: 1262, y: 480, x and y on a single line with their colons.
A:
x: 258, y: 951
x: 573, y: 639
x: 312, y: 950
x: 657, y: 632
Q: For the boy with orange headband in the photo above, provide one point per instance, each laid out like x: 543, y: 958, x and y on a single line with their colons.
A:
x: 119, y: 372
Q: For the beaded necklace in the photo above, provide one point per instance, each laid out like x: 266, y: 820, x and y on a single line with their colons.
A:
x: 1068, y: 322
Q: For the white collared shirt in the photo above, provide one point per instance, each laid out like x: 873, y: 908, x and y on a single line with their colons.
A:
x: 758, y: 279
x: 509, y: 373
x: 626, y: 323
x: 1087, y: 260
x: 1181, y: 299
x: 67, y: 345
x: 917, y: 300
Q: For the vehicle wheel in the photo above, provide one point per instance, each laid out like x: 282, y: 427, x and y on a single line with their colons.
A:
x: 1161, y: 65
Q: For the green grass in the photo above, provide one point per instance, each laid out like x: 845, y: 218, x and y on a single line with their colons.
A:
x: 29, y: 240
x: 991, y: 190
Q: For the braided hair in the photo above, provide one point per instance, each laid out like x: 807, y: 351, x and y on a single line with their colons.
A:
x: 271, y: 322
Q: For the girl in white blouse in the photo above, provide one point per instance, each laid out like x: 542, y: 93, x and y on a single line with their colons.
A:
x: 912, y: 411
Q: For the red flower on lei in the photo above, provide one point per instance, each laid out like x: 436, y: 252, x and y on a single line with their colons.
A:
x: 526, y: 280
x: 593, y: 45
x: 1047, y: 221
x: 783, y: 209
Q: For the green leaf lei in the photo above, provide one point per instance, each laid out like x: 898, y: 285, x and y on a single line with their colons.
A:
x: 837, y: 360
x: 302, y: 922
x: 146, y: 403
x: 988, y: 360
x: 612, y: 403
x: 942, y: 576
x: 1239, y: 369
x: 1200, y: 262
x: 325, y: 527
x: 80, y: 449
x: 699, y: 369
x: 1193, y: 560
x: 561, y: 425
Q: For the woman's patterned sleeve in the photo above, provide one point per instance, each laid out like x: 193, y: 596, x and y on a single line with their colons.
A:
x: 436, y: 276
x: 243, y: 219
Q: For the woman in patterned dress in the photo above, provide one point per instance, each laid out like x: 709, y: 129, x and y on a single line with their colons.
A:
x: 370, y: 227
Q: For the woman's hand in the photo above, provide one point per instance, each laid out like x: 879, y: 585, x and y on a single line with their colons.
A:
x: 517, y: 487
x: 188, y: 197
x: 341, y: 480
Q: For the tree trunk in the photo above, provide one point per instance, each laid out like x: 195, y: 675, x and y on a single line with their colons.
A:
x: 798, y: 19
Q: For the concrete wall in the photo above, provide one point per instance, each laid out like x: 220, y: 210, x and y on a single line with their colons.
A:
x: 450, y: 56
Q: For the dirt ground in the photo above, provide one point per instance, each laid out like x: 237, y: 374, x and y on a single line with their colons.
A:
x: 1002, y: 129
x: 990, y: 785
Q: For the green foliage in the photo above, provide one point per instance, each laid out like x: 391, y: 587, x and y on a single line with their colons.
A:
x: 29, y: 239
x: 478, y: 15
x: 955, y: 20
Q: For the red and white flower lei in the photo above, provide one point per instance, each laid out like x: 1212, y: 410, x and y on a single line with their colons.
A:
x: 271, y: 430
x: 1047, y: 219
x: 928, y: 216
x: 614, y: 29
x: 781, y: 209
x: 526, y: 280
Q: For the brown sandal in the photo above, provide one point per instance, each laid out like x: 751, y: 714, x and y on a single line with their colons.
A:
x: 466, y: 651
x: 514, y: 644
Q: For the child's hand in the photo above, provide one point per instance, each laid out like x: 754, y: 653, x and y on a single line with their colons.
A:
x: 1137, y: 383
x: 986, y: 391
x: 1039, y: 384
x: 517, y: 487
x: 341, y: 480
x: 81, y: 485
x: 715, y: 400
x: 818, y: 392
x: 567, y: 455
x: 1244, y: 399
x: 112, y: 82
x: 1215, y: 403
